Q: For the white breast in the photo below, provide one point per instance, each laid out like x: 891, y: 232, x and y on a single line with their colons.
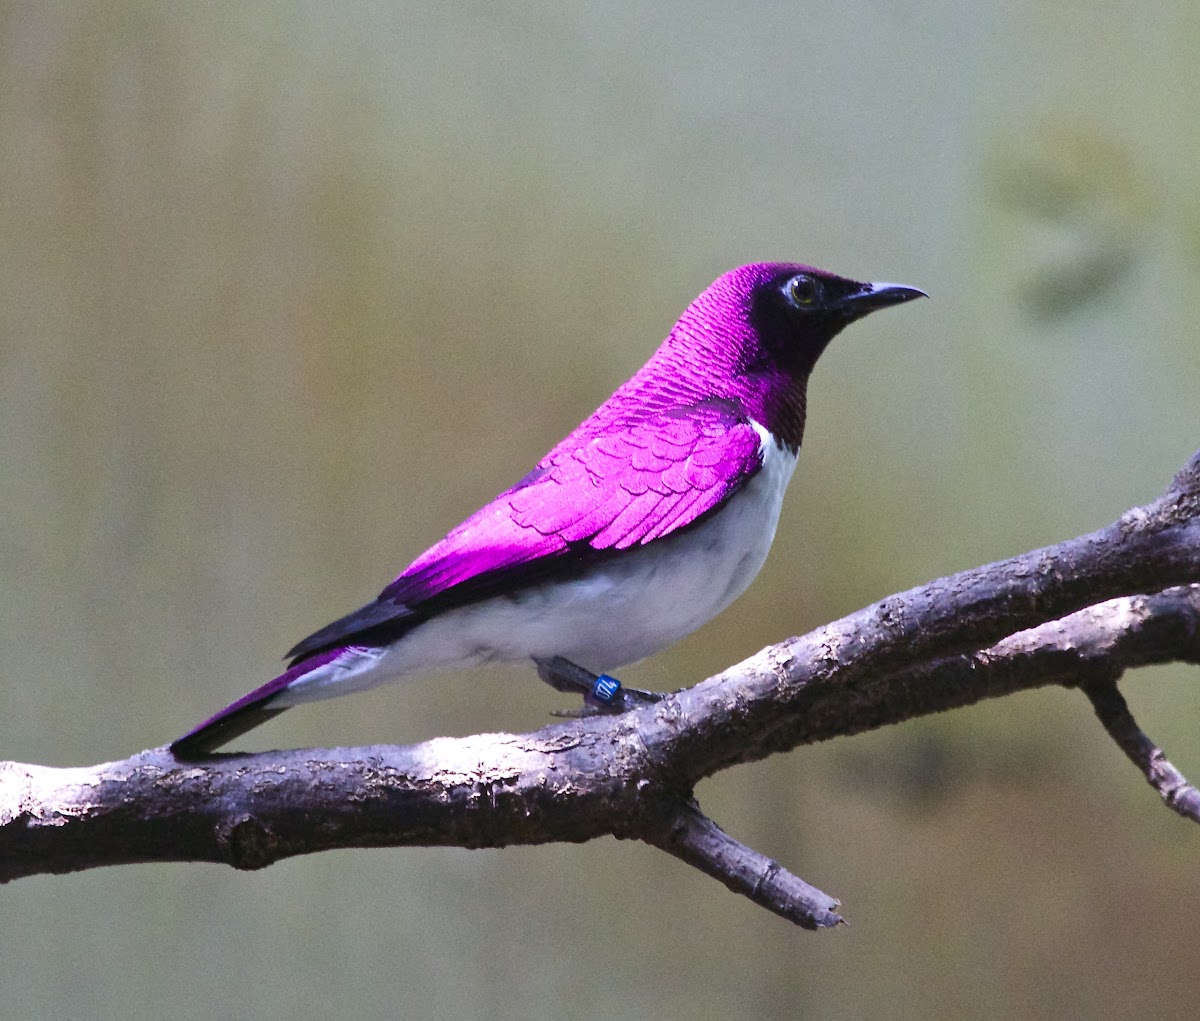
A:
x: 619, y: 612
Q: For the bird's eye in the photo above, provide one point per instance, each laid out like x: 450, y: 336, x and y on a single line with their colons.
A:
x: 803, y: 291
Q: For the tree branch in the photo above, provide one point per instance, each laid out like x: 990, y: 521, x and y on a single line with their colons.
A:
x: 1075, y: 614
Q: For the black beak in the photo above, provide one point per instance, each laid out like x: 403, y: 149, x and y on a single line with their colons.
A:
x: 878, y: 295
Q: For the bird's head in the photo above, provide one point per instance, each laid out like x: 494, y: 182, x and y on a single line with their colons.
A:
x: 756, y: 332
x: 795, y: 311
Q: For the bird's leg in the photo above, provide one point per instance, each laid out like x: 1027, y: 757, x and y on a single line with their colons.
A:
x: 601, y: 693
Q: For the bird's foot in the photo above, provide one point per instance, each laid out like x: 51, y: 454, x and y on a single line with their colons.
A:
x: 601, y: 693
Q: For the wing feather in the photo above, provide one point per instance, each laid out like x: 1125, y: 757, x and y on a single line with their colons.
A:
x: 591, y: 495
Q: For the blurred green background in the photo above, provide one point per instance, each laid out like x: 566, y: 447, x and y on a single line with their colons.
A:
x: 288, y: 289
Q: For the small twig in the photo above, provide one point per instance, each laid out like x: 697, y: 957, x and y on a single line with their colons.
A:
x: 1114, y: 713
x: 694, y: 838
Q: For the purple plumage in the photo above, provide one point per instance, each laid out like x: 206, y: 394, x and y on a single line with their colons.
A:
x: 609, y: 519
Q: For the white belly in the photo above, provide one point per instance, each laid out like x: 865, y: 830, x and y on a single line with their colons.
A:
x: 621, y: 611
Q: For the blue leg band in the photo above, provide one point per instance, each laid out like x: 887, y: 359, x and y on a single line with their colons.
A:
x: 605, y: 689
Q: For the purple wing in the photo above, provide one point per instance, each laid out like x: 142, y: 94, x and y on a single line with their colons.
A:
x: 595, y: 493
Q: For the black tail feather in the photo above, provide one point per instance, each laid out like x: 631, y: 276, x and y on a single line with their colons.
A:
x: 205, y: 739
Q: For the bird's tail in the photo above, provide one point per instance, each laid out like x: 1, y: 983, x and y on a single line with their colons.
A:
x: 247, y: 712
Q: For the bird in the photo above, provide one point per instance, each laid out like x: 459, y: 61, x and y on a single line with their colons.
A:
x: 647, y: 521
